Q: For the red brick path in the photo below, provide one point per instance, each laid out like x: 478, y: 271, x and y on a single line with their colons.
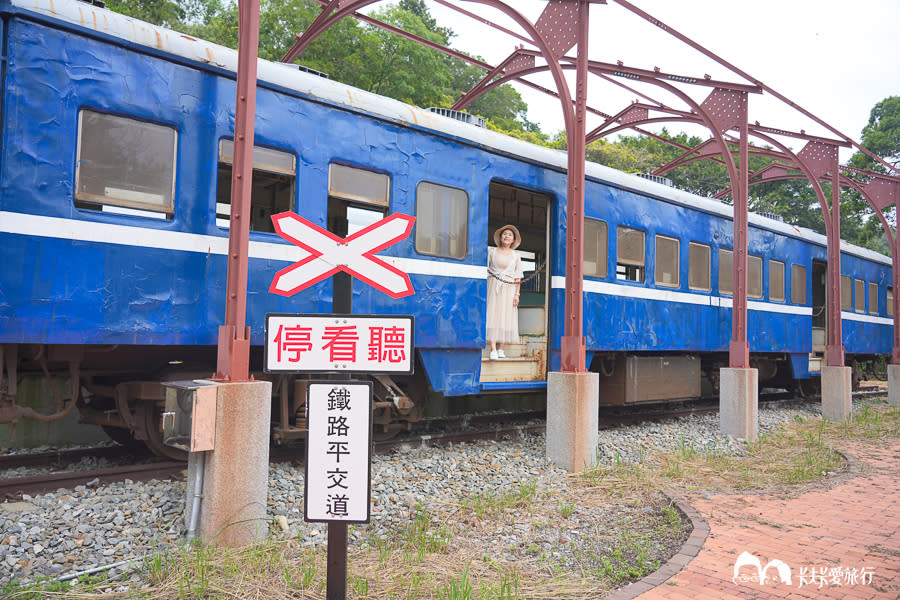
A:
x: 854, y: 525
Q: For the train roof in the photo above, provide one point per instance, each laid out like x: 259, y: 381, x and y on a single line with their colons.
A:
x: 134, y: 31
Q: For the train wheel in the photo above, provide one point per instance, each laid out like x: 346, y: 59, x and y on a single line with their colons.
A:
x: 151, y: 416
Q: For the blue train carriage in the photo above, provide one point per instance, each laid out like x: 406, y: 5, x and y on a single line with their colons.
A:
x: 116, y: 171
x: 658, y: 286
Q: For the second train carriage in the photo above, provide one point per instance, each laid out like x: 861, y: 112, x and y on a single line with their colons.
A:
x: 114, y: 203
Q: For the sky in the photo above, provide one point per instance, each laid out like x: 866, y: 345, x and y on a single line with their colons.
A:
x: 834, y: 58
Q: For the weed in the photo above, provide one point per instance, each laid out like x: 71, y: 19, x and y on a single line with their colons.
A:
x: 457, y: 589
x: 566, y: 509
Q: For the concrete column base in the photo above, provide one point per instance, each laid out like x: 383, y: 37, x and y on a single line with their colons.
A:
x: 236, y: 474
x: 837, y: 401
x: 739, y: 403
x: 572, y: 419
x: 893, y: 385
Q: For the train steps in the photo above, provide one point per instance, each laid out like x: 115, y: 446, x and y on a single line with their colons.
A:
x: 521, y: 364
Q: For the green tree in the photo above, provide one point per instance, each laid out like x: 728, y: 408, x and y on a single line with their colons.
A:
x: 881, y: 135
x: 158, y: 12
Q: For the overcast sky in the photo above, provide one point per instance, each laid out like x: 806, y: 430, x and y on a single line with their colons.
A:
x: 835, y: 58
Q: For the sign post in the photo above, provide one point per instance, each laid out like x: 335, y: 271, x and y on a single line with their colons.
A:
x: 339, y: 412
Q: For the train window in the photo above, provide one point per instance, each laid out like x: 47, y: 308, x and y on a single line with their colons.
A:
x: 442, y: 220
x: 889, y: 301
x: 698, y: 270
x: 776, y: 280
x: 630, y: 255
x: 798, y: 284
x: 351, y: 183
x: 754, y: 277
x: 846, y: 293
x: 726, y: 271
x: 596, y: 241
x: 873, y: 298
x: 272, y: 189
x: 667, y: 261
x: 859, y: 290
x: 125, y: 165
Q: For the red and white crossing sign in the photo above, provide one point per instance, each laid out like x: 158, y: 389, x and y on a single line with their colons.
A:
x: 354, y: 254
x: 339, y: 344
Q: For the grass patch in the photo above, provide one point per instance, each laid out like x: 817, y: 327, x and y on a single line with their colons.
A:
x: 491, y: 505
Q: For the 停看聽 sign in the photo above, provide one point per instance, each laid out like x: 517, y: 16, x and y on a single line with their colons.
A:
x: 338, y: 343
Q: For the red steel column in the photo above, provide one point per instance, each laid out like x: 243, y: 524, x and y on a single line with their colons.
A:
x: 895, y: 277
x: 234, y: 337
x: 739, y: 349
x: 834, y: 351
x: 573, y: 344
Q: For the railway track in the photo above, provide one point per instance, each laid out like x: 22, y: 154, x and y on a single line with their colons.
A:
x: 474, y: 428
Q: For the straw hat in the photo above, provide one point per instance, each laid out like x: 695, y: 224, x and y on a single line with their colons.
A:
x: 517, y: 237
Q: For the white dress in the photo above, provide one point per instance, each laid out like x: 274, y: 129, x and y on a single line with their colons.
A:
x: 504, y: 268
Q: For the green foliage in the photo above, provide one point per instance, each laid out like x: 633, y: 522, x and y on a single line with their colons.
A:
x: 370, y: 58
x: 881, y: 135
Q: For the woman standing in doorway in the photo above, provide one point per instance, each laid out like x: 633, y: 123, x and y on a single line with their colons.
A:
x: 504, y: 276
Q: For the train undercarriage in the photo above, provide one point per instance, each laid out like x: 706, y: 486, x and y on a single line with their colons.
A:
x: 121, y: 388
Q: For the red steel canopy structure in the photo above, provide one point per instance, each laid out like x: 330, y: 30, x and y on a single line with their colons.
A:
x: 555, y: 44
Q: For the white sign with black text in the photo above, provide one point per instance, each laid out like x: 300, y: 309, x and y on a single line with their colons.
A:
x: 338, y: 451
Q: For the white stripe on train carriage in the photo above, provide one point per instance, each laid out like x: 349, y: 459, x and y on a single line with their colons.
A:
x: 144, y: 237
x: 628, y: 291
x: 849, y: 316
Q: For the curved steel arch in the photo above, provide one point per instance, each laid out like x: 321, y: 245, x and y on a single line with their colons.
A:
x: 551, y: 50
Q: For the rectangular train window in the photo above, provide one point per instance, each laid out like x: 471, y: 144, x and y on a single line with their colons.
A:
x: 859, y: 290
x: 890, y: 301
x: 798, y: 284
x: 667, y: 261
x: 726, y: 271
x: 754, y: 276
x: 351, y: 183
x: 630, y: 254
x: 357, y: 198
x: 274, y: 174
x: 125, y: 166
x: 776, y: 280
x: 846, y: 293
x: 596, y: 241
x: 873, y: 298
x: 698, y: 269
x: 442, y: 220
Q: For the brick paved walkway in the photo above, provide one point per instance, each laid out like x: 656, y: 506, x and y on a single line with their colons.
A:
x: 855, y: 525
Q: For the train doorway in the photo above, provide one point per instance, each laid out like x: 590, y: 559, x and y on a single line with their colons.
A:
x: 529, y: 212
x: 819, y: 314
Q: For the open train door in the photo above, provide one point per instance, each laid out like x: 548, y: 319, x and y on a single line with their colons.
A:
x: 819, y: 315
x: 525, y: 364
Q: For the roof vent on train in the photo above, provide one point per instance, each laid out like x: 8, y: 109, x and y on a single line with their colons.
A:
x: 657, y: 179
x: 459, y: 116
x: 772, y: 216
x: 97, y: 3
x: 306, y: 69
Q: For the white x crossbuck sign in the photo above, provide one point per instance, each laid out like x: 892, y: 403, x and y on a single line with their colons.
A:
x: 354, y: 254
